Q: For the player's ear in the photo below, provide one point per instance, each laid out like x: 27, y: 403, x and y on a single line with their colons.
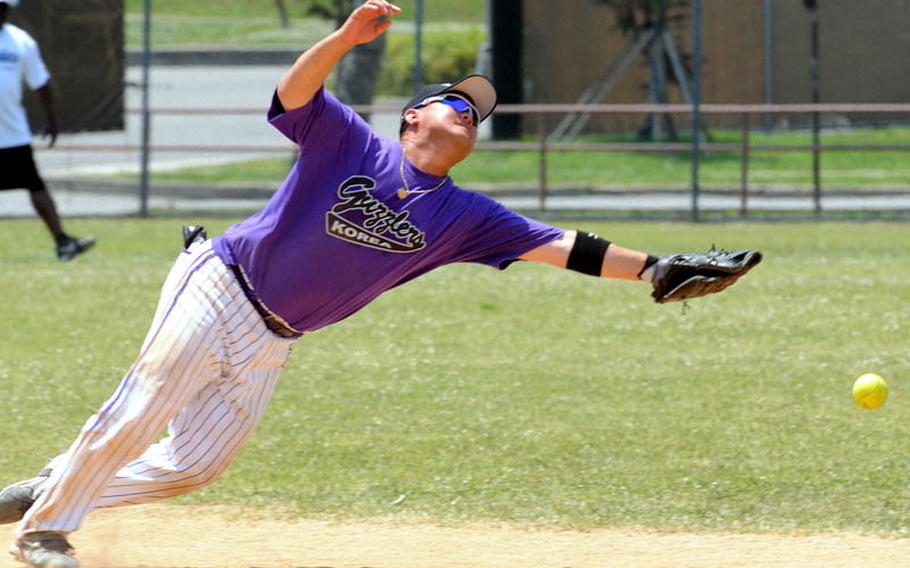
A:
x: 411, y: 117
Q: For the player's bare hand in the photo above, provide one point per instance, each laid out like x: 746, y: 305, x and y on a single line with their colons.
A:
x: 51, y: 132
x: 368, y: 22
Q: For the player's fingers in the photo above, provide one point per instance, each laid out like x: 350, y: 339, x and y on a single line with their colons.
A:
x: 385, y: 8
x: 382, y: 27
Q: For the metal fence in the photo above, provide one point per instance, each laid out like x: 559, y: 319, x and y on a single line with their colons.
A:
x: 745, y: 148
x: 543, y: 197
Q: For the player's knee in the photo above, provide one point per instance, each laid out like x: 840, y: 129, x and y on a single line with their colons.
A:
x: 205, y: 468
x: 196, y: 477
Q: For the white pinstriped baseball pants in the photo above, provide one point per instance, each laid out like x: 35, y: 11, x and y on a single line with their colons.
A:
x: 206, y: 371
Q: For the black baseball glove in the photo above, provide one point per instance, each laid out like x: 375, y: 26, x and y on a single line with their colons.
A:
x: 691, y: 275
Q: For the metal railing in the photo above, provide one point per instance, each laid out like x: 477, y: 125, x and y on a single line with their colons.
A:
x: 544, y: 144
x: 745, y: 147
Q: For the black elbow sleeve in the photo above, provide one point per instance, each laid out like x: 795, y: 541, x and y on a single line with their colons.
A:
x: 588, y: 253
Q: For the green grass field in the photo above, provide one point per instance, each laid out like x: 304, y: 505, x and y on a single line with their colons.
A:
x: 534, y: 396
x: 783, y: 170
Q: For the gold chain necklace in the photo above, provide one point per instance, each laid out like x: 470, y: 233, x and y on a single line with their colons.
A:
x: 406, y: 190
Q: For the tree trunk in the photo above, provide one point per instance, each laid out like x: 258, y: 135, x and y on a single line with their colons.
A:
x: 283, y: 14
x: 357, y: 73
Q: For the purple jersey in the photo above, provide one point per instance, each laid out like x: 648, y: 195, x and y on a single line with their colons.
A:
x: 336, y: 234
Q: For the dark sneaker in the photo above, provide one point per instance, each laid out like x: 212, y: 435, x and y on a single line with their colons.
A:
x: 18, y: 498
x: 71, y: 247
x: 44, y: 550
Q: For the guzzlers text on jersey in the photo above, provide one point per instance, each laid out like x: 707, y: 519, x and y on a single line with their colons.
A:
x: 361, y: 219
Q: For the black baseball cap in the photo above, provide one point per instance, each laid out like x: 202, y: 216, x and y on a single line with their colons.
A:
x: 476, y: 88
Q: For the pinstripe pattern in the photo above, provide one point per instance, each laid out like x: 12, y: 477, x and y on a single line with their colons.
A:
x: 206, y: 372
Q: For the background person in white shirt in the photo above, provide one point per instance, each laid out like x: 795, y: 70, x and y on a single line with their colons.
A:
x: 20, y: 62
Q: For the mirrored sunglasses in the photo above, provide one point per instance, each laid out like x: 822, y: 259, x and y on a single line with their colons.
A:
x: 460, y: 104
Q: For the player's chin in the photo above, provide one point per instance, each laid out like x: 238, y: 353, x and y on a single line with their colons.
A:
x: 467, y: 144
x: 467, y: 133
x: 464, y: 148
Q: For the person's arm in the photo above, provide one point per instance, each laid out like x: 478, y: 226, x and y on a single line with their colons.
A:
x: 674, y: 277
x: 618, y: 262
x: 312, y: 68
x: 47, y: 102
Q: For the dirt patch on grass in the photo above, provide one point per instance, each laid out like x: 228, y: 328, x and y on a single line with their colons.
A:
x: 162, y: 536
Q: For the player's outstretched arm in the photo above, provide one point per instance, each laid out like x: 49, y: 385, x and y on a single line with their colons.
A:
x: 673, y: 277
x: 312, y: 68
x: 617, y: 262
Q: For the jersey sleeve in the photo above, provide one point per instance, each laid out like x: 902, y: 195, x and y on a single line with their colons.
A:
x: 34, y: 72
x: 501, y: 235
x: 322, y: 120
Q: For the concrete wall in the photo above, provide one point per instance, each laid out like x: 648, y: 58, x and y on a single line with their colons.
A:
x: 864, y: 51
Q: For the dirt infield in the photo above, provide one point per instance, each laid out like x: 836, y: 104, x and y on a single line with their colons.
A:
x: 220, y: 537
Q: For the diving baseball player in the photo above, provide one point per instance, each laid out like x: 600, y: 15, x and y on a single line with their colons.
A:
x: 357, y: 215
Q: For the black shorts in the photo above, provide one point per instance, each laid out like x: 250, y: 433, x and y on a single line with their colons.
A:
x: 18, y: 170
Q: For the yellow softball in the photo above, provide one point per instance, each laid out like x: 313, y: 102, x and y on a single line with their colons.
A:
x: 870, y: 391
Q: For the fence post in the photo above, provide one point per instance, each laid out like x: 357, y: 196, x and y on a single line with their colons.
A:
x: 146, y: 116
x: 816, y: 164
x: 767, y: 13
x: 542, y: 135
x: 816, y: 99
x: 744, y: 168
